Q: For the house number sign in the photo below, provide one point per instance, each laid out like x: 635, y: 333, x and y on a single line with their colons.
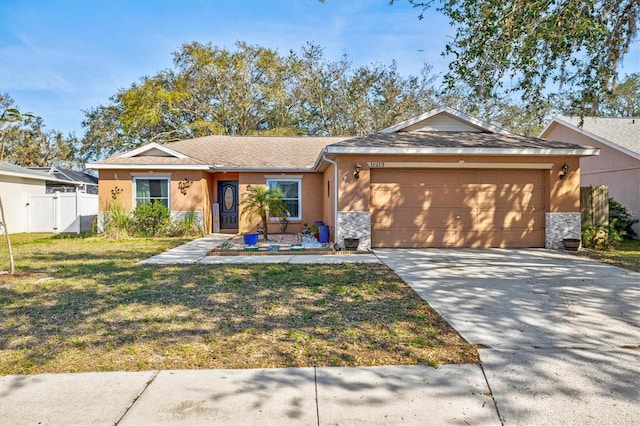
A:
x: 376, y: 164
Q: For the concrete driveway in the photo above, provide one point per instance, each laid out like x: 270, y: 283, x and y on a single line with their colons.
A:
x: 561, y: 334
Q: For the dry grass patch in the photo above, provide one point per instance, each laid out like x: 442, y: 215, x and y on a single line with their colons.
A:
x: 627, y: 255
x: 89, y: 308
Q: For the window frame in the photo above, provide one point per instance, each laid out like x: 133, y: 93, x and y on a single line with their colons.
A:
x: 288, y: 179
x: 135, y: 188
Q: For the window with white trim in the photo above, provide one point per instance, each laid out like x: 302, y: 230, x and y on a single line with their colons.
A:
x: 291, y: 190
x: 150, y: 189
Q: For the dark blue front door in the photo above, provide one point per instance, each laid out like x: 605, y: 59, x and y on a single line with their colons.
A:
x: 228, y: 200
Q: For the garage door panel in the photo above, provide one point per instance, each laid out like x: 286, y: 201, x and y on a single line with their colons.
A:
x: 387, y: 197
x: 408, y: 218
x: 408, y: 238
x: 469, y: 208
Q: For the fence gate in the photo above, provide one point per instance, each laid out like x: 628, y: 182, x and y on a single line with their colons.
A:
x: 594, y: 204
x: 61, y: 212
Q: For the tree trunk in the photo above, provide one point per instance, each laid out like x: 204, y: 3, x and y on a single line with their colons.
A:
x: 264, y: 221
x: 6, y: 233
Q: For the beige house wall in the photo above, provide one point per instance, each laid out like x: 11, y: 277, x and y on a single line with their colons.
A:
x: 196, y: 199
x: 312, y: 204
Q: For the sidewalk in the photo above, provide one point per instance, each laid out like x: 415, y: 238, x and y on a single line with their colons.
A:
x: 196, y: 252
x: 450, y: 394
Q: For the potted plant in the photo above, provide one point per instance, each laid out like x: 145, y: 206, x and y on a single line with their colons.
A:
x: 305, y: 229
x: 315, y: 231
x: 263, y: 202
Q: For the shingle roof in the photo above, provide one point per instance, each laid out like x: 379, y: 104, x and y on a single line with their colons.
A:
x: 23, y: 171
x: 149, y: 160
x: 624, y: 132
x: 67, y: 174
x: 255, y: 151
x: 452, y: 140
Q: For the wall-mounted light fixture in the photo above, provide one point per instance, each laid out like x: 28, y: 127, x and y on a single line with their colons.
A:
x: 184, y: 184
x: 356, y: 174
x: 564, y: 170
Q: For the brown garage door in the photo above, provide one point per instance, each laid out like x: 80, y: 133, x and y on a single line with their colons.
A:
x: 470, y: 208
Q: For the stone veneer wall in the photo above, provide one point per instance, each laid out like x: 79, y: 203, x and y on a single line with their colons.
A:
x: 561, y: 225
x: 354, y: 225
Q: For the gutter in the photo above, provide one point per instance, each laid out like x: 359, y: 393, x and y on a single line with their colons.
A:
x: 335, y: 195
x: 463, y: 151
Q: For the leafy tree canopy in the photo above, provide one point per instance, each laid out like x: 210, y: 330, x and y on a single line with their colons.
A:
x: 27, y: 143
x: 253, y: 90
x: 537, y: 47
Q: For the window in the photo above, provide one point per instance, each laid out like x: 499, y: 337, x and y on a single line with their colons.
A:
x: 148, y: 190
x: 290, y: 189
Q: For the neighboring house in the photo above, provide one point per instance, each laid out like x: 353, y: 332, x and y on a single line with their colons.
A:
x: 617, y: 166
x: 442, y: 179
x: 69, y: 180
x: 28, y: 207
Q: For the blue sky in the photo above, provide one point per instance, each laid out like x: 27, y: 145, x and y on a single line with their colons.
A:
x: 60, y: 57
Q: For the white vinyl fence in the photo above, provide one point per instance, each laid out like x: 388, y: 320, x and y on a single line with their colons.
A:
x: 61, y: 212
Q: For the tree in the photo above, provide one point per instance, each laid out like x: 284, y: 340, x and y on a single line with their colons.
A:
x: 263, y: 202
x: 624, y: 100
x: 253, y: 90
x: 536, y: 47
x: 339, y: 100
x: 8, y: 117
x: 28, y: 144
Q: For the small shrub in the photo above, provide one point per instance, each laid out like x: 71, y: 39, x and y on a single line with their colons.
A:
x: 621, y: 219
x: 186, y: 226
x: 151, y: 220
x: 118, y: 222
x: 602, y: 237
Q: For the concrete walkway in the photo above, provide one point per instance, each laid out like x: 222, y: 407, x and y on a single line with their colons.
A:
x: 196, y: 252
x: 562, y: 333
x: 414, y: 395
x: 191, y: 252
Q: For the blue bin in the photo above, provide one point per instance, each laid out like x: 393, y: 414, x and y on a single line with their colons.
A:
x: 323, y: 234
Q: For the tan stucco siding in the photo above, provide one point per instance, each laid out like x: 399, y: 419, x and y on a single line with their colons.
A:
x: 193, y: 200
x: 115, y: 180
x: 312, y: 206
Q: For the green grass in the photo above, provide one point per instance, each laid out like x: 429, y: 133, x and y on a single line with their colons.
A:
x: 83, y: 305
x: 627, y: 255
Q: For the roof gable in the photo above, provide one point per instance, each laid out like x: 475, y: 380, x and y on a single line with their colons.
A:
x: 622, y: 134
x: 443, y: 119
x: 153, y: 149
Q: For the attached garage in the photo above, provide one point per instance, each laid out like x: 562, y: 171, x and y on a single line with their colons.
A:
x: 451, y: 208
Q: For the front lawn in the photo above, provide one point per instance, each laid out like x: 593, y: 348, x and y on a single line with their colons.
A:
x: 626, y: 256
x: 83, y: 305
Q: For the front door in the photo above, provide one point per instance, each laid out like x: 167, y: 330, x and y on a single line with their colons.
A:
x: 228, y: 200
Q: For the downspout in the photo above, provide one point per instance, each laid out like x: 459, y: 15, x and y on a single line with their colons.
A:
x: 335, y: 196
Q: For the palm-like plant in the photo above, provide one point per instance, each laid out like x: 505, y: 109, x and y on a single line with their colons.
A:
x: 263, y: 202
